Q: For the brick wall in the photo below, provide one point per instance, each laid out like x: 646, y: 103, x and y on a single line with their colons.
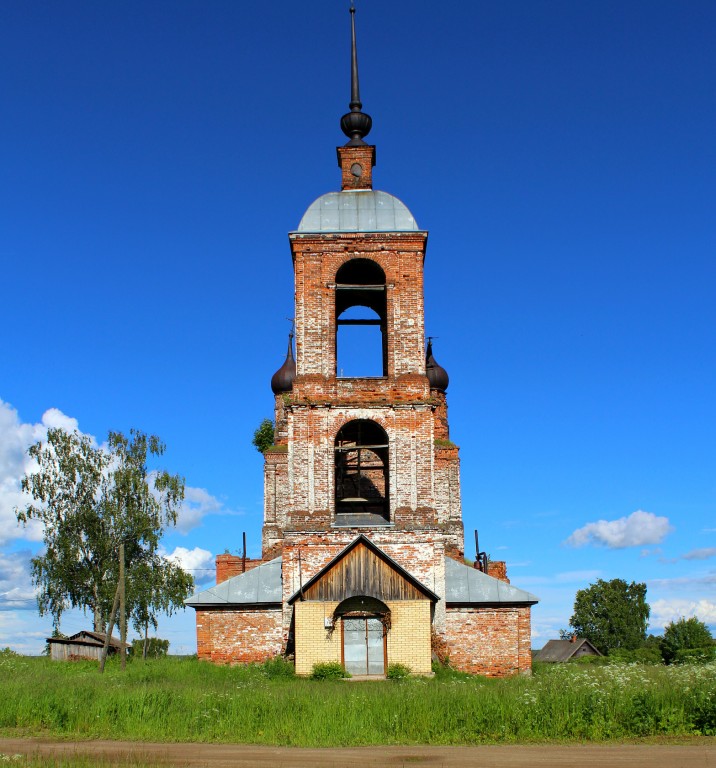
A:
x: 408, y: 640
x: 314, y: 644
x: 228, y: 566
x: 238, y: 636
x: 489, y: 641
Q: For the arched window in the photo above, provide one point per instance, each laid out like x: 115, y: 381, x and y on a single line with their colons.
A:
x: 361, y: 340
x: 362, y: 479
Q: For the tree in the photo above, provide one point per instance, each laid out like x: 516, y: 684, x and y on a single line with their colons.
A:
x: 263, y: 436
x: 611, y: 614
x: 104, y: 514
x: 67, y: 489
x: 684, y: 634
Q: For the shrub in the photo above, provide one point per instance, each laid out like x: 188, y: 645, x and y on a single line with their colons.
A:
x: 328, y: 670
x: 156, y: 648
x: 648, y: 654
x: 682, y: 635
x: 398, y: 672
x: 695, y: 655
x: 278, y: 668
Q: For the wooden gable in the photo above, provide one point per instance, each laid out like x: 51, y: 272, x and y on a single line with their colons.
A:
x: 363, y: 569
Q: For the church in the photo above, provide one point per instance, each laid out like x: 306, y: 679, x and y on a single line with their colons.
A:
x: 363, y: 543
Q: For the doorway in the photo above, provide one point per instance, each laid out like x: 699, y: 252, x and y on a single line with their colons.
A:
x: 363, y: 645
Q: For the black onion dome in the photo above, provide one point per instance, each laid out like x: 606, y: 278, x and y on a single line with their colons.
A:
x: 282, y: 380
x: 437, y: 375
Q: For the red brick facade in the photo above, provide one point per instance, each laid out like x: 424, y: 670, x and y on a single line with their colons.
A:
x: 415, y: 469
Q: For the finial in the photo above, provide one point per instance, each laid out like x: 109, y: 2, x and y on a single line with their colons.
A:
x: 355, y: 124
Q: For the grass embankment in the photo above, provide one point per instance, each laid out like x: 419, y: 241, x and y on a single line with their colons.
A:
x: 177, y: 699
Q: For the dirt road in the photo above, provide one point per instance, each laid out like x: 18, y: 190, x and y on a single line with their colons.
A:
x: 701, y: 754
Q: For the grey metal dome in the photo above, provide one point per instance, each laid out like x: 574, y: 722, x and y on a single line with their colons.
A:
x: 360, y: 210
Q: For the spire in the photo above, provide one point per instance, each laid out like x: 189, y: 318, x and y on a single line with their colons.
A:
x: 437, y: 375
x: 355, y: 124
x: 282, y: 380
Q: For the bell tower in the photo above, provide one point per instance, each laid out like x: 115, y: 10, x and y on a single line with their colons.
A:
x: 362, y: 549
x: 361, y: 450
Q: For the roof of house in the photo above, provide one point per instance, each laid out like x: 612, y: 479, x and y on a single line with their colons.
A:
x: 563, y: 650
x: 465, y: 585
x: 262, y: 585
x: 259, y: 586
x: 86, y: 637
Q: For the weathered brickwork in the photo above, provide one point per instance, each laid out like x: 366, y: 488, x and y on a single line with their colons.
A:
x: 489, y: 641
x: 239, y: 636
x: 403, y: 492
x: 232, y: 565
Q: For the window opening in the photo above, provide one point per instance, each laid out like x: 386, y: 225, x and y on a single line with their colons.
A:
x: 362, y: 478
x: 361, y: 339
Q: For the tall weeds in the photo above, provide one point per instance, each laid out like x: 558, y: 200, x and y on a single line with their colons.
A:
x: 177, y: 699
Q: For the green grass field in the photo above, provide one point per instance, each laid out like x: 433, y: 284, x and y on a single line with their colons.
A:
x: 176, y: 699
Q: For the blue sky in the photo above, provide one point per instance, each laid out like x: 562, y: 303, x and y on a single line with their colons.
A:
x: 561, y: 154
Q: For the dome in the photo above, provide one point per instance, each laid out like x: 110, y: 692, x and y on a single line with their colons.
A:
x: 362, y: 210
x: 282, y: 380
x: 437, y: 375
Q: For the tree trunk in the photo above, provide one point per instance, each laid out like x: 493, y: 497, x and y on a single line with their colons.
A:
x: 110, y: 629
x: 97, y: 611
x: 122, y: 607
x: 146, y: 640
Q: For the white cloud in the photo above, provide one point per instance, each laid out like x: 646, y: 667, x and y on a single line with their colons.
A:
x: 198, y: 502
x: 665, y: 611
x: 192, y: 560
x: 638, y: 529
x: 16, y: 590
x: 700, y: 554
x: 15, y: 438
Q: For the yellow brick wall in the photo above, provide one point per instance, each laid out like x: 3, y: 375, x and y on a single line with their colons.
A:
x: 408, y: 641
x: 313, y: 642
x: 409, y: 636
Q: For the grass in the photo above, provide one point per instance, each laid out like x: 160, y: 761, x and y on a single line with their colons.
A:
x: 181, y: 699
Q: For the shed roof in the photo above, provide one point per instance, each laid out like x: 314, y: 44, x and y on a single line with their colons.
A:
x: 468, y: 586
x: 259, y: 586
x: 563, y: 650
x: 86, y: 637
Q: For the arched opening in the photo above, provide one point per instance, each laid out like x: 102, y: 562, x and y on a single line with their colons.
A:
x: 361, y: 340
x: 362, y: 476
x: 364, y: 625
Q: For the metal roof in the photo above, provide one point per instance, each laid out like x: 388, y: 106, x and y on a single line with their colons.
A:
x: 467, y: 586
x: 259, y: 586
x: 563, y: 650
x: 359, y: 210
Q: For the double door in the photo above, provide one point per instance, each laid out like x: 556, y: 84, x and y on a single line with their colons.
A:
x: 363, y: 646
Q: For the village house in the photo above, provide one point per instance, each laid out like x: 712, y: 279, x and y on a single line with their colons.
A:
x: 363, y: 543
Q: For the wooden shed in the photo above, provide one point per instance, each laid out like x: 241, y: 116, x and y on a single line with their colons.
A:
x: 83, y: 645
x: 566, y: 650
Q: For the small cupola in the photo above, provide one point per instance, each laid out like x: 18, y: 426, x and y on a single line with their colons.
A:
x: 437, y: 375
x: 282, y: 380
